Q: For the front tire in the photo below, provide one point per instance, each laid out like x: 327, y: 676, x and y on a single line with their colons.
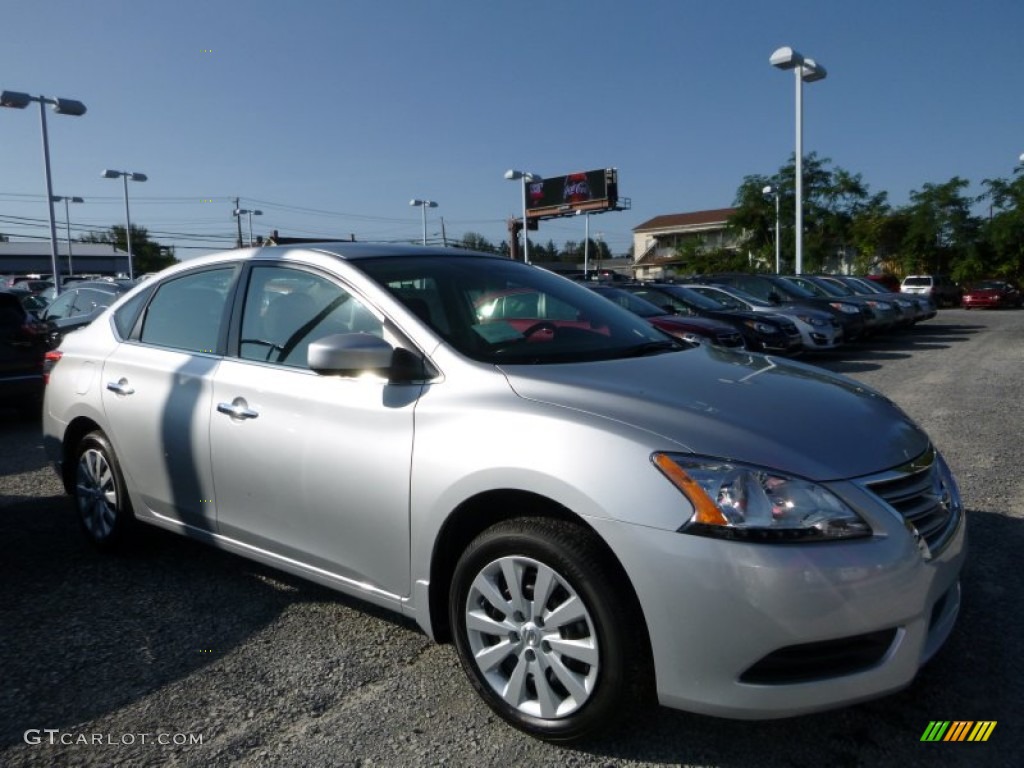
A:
x: 546, y: 633
x: 104, y: 510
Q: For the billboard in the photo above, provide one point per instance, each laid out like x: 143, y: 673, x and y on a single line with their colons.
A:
x: 565, y: 195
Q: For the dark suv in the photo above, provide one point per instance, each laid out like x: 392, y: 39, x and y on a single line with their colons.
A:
x: 22, y: 348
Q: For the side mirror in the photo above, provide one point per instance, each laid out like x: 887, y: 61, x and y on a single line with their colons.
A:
x: 774, y: 298
x: 350, y: 354
x: 670, y: 309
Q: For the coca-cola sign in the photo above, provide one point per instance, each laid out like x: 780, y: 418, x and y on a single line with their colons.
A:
x: 563, y: 195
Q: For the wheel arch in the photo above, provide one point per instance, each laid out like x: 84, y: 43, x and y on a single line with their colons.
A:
x: 484, y: 510
x: 76, y: 430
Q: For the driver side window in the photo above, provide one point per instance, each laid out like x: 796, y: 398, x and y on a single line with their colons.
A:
x: 287, y: 309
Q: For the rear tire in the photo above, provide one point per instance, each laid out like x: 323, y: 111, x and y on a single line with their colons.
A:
x: 546, y: 632
x: 104, y: 510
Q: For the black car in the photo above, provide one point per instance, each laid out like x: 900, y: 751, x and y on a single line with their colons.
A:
x: 762, y: 333
x: 778, y: 290
x: 79, y: 305
x: 22, y: 348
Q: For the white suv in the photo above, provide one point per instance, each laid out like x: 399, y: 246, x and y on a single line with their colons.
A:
x: 942, y: 290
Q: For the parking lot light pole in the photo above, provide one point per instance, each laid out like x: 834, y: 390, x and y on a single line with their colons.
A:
x: 770, y: 190
x: 513, y: 175
x: 125, y: 175
x: 18, y: 100
x: 251, y: 213
x: 809, y: 71
x: 423, y: 204
x: 67, y: 222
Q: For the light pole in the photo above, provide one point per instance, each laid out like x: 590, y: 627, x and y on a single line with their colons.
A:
x: 423, y: 204
x: 125, y: 175
x: 586, y: 240
x: 513, y: 175
x: 18, y: 100
x: 67, y: 222
x: 251, y: 213
x: 805, y: 70
x: 770, y: 190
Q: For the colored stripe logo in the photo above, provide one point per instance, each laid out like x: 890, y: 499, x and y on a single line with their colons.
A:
x: 958, y: 730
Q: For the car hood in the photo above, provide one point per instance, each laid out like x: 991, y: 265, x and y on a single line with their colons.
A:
x: 689, y: 323
x: 740, y: 406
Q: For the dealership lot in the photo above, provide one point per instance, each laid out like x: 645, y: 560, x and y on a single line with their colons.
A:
x: 131, y: 659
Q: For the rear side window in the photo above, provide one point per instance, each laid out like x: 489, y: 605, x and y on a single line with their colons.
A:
x: 128, y: 313
x: 186, y: 312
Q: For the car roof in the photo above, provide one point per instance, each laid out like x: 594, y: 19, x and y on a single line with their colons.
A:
x: 344, y: 250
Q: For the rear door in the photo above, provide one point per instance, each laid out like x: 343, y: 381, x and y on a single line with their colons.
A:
x: 157, y: 396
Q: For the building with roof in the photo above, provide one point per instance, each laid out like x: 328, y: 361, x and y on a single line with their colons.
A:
x: 656, y: 241
x: 34, y: 258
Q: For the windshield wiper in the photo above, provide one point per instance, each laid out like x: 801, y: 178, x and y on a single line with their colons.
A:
x: 655, y: 348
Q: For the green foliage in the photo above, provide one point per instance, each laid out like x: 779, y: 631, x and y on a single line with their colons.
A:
x: 936, y: 232
x: 147, y: 255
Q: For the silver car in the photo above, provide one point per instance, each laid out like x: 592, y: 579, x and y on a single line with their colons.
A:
x: 593, y: 512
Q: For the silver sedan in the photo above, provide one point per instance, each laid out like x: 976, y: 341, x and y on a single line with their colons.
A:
x: 593, y: 512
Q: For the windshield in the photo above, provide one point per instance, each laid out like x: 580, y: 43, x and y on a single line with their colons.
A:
x: 499, y: 311
x: 692, y: 298
x: 917, y: 280
x: 627, y: 300
x: 729, y: 300
x: 809, y: 286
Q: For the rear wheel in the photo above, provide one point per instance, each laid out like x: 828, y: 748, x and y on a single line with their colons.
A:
x: 104, y: 511
x: 547, y: 635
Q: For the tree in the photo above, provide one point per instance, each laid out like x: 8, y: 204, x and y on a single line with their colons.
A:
x: 942, y: 234
x: 476, y: 242
x: 832, y: 199
x: 147, y: 255
x: 1003, y: 233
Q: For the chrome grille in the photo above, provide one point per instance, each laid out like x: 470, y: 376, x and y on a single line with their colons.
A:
x: 924, y: 497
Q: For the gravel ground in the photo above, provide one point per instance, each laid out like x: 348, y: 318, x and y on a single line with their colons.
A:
x: 180, y: 655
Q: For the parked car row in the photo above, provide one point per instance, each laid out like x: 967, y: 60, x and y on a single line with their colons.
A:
x: 785, y: 314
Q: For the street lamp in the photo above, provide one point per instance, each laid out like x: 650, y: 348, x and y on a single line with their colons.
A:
x: 423, y: 204
x: 586, y: 241
x: 770, y: 190
x: 125, y: 175
x: 18, y: 100
x: 805, y: 70
x: 251, y: 213
x: 513, y: 175
x: 67, y: 221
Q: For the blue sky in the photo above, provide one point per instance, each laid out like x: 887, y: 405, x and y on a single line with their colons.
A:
x: 331, y: 116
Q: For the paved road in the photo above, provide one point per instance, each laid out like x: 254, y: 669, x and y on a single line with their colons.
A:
x: 178, y: 643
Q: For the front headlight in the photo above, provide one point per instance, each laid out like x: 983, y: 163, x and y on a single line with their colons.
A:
x: 815, y: 320
x: 760, y: 327
x: 747, y: 503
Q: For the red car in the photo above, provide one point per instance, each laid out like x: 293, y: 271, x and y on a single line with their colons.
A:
x: 992, y: 293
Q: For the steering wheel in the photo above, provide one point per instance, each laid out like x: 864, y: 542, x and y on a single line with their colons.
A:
x: 543, y: 325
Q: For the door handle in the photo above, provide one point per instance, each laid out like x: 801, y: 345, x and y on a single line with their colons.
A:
x: 237, y: 409
x: 121, y: 387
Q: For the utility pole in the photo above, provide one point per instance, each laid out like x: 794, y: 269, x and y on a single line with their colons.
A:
x: 238, y: 242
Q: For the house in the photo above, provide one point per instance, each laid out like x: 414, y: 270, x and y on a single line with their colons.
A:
x: 35, y: 258
x: 655, y: 242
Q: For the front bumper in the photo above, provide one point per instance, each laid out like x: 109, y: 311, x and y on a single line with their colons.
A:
x: 720, y: 613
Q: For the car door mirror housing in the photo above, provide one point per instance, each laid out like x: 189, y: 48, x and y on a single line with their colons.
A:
x: 350, y: 354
